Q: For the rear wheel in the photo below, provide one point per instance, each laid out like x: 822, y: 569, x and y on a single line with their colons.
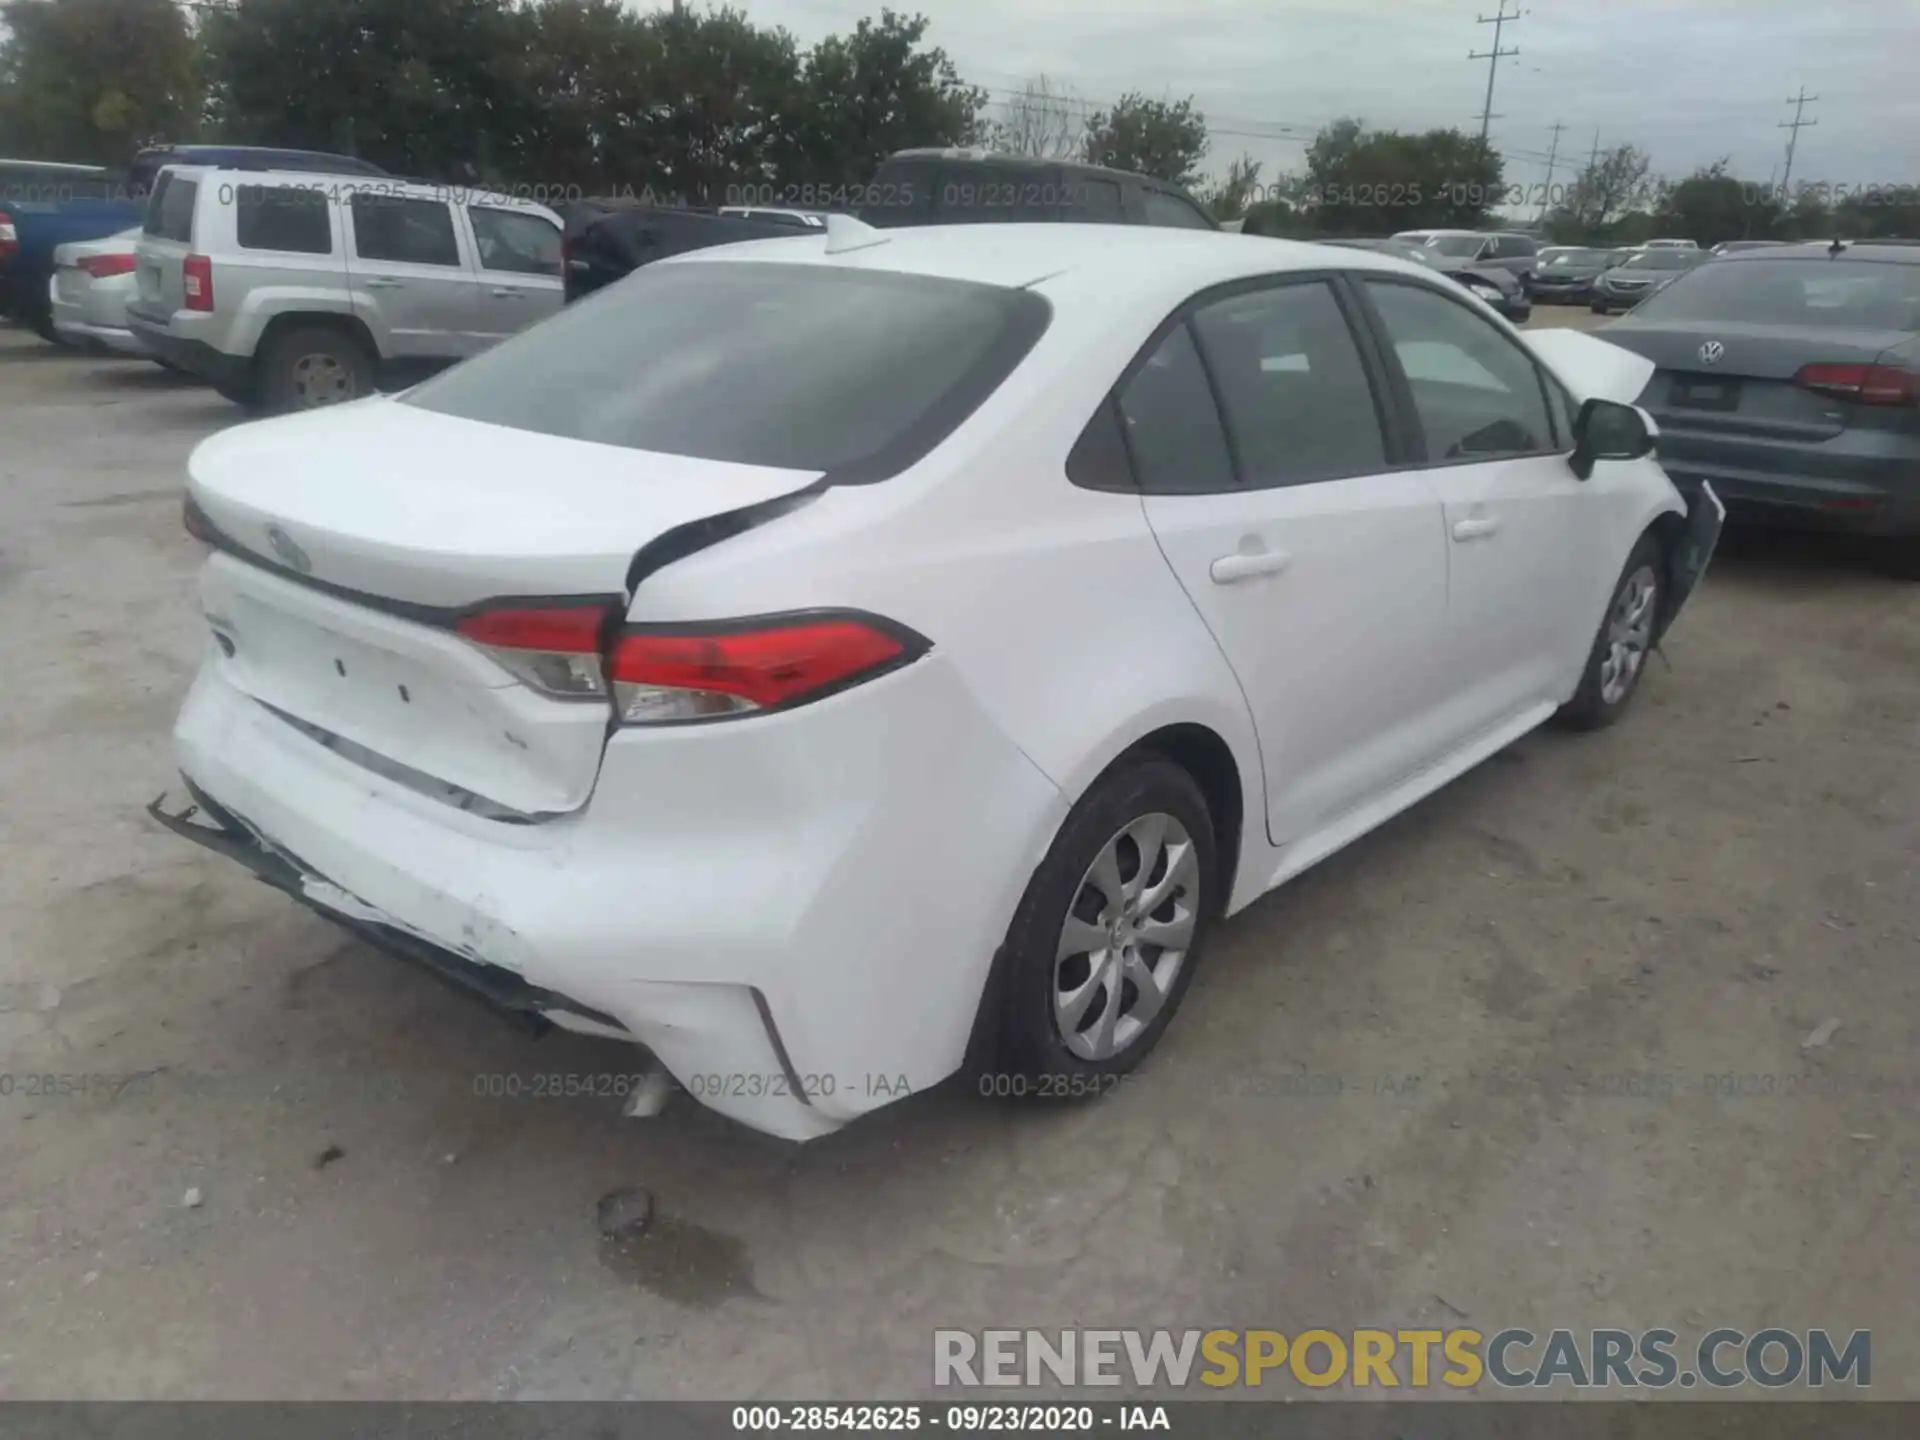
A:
x: 1598, y: 307
x: 1105, y: 940
x: 313, y: 366
x: 1619, y: 655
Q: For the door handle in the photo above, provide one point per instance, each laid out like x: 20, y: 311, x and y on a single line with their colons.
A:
x: 1229, y: 568
x: 504, y: 292
x: 380, y: 282
x: 1475, y: 529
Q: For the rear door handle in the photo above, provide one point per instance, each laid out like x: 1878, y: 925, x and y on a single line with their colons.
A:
x: 380, y: 282
x: 1229, y: 568
x: 1476, y: 529
x: 504, y: 292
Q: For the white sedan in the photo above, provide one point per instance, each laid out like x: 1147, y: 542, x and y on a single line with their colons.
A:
x: 839, y: 661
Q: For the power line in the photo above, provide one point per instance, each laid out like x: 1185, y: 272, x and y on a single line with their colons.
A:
x: 1794, y: 127
x: 1493, y: 58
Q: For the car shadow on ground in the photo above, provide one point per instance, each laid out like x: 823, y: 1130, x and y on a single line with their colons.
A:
x: 133, y: 373
x: 1803, y: 560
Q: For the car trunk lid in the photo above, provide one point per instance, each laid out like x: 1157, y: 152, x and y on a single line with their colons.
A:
x: 1737, y: 378
x: 350, y: 562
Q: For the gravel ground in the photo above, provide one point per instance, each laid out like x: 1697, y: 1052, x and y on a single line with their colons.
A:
x: 305, y: 1197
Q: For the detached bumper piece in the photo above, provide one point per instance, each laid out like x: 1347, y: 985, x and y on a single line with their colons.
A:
x: 509, y: 995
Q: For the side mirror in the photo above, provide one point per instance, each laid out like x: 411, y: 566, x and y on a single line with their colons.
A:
x: 1607, y: 430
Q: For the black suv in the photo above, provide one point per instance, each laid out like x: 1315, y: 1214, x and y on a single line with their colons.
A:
x: 978, y: 187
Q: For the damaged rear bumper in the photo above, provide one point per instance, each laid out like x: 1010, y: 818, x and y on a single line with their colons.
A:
x: 528, y: 1006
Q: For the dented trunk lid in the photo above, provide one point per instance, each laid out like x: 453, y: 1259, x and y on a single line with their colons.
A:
x: 353, y: 539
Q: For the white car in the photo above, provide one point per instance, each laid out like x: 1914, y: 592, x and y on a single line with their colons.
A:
x: 837, y: 661
x: 88, y: 293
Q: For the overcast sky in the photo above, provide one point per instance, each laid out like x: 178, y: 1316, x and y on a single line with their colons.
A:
x: 1688, y: 80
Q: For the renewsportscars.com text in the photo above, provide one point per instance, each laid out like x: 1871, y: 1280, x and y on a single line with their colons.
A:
x: 1459, y: 1359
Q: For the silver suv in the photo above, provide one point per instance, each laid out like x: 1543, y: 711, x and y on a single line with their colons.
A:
x: 289, y: 290
x: 1506, y: 250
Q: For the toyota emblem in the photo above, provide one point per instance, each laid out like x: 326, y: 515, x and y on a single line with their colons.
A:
x: 288, y: 550
x: 1711, y: 352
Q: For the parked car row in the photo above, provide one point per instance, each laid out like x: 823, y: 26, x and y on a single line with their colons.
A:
x: 1498, y: 287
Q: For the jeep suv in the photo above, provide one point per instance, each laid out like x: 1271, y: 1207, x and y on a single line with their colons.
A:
x: 289, y: 290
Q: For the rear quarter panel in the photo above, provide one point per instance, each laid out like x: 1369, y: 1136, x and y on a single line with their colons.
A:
x: 1053, y: 602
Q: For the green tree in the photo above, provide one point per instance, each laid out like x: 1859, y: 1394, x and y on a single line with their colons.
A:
x: 91, y: 81
x: 432, y: 87
x: 868, y: 94
x: 1371, y: 182
x: 1712, y: 205
x: 1606, y: 191
x: 1161, y: 138
x: 1232, y: 197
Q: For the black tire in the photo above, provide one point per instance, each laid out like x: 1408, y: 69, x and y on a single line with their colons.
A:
x: 1598, y: 308
x: 1019, y: 1048
x: 307, y: 366
x: 1590, y: 708
x: 240, y: 392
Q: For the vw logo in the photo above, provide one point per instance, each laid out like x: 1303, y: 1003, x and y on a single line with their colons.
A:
x: 284, y: 546
x: 1711, y: 352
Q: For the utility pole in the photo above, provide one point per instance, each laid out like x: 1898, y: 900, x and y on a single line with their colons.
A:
x: 1553, y: 154
x: 1493, y: 58
x: 1795, y: 126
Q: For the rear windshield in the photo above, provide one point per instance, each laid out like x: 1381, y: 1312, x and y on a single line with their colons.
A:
x: 1843, y: 294
x: 1459, y: 245
x: 170, y: 208
x: 803, y: 367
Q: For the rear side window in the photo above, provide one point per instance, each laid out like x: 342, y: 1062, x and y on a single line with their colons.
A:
x: 514, y: 241
x: 413, y: 232
x: 802, y: 367
x: 1296, y: 396
x: 1094, y: 202
x: 1831, y: 294
x: 1164, y: 209
x: 170, y: 208
x: 279, y: 217
x: 1172, y: 424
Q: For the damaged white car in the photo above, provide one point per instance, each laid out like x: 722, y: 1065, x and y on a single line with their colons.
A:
x: 837, y: 661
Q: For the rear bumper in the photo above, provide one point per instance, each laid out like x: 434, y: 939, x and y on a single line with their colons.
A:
x: 1838, y: 484
x: 97, y: 319
x: 191, y: 355
x: 796, y: 913
x: 1560, y: 292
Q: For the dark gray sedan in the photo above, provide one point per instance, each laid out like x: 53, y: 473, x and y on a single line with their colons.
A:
x: 1642, y: 273
x: 1790, y: 379
x: 1565, y: 274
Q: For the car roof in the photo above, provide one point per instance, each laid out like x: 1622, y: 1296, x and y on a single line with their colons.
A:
x: 1030, y: 162
x: 1813, y: 251
x: 352, y: 182
x: 59, y: 167
x: 1145, y: 260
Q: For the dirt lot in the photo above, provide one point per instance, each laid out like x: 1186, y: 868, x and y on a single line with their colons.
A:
x: 1693, y: 894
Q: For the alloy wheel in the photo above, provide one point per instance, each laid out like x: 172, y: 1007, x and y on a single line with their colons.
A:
x: 1126, y: 936
x: 321, y: 379
x: 1629, y: 634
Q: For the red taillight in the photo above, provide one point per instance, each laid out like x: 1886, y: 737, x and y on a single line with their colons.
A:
x: 196, y: 279
x: 1862, y: 384
x: 198, y: 526
x: 683, y: 673
x: 9, y: 237
x: 555, y: 649
x: 100, y: 267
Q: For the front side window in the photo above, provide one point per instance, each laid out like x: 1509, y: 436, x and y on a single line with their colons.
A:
x: 1296, y: 396
x: 412, y: 232
x: 1172, y: 424
x: 1476, y: 393
x: 514, y: 241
